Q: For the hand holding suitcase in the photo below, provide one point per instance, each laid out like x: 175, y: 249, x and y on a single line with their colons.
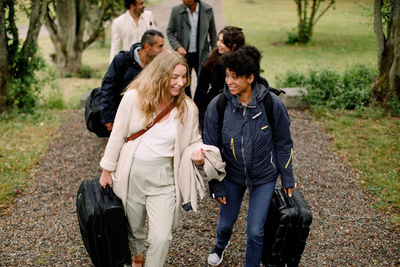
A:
x: 103, y: 225
x: 286, y: 229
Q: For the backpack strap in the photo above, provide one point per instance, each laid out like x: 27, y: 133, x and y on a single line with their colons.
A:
x: 221, y: 105
x: 268, y: 107
x: 276, y: 91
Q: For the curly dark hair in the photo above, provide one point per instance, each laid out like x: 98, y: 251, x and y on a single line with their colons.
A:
x: 233, y: 38
x: 244, y: 61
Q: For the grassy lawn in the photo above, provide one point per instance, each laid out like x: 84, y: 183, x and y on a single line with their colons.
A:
x: 23, y: 141
x: 342, y: 37
x: 370, y: 142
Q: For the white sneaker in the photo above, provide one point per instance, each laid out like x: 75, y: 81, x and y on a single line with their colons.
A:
x: 216, y: 255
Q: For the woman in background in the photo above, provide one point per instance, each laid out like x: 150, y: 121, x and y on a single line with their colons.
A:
x: 211, y: 79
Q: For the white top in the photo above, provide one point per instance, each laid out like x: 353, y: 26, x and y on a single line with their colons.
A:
x: 125, y: 32
x: 194, y: 21
x: 159, y: 141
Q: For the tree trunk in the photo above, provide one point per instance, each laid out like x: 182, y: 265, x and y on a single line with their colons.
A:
x: 387, y: 85
x: 9, y: 45
x: 73, y: 28
x: 5, y: 74
x: 66, y: 32
x: 307, y: 13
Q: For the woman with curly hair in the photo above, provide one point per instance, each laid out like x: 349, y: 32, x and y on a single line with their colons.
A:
x: 256, y: 151
x: 211, y: 79
x: 143, y: 171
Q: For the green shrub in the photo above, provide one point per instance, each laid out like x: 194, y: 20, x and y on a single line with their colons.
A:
x: 292, y: 79
x: 395, y: 105
x: 84, y: 72
x: 329, y: 88
x: 25, y: 86
x: 293, y: 38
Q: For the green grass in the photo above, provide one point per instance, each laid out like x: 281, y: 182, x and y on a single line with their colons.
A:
x: 23, y: 140
x: 369, y: 141
x: 342, y: 37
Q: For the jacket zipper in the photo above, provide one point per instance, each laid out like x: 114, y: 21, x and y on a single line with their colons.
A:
x: 272, y: 160
x: 244, y: 159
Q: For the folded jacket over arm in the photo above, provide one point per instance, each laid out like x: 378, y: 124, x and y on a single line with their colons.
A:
x: 191, y: 182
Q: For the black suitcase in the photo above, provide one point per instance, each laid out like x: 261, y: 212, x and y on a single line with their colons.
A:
x: 103, y: 225
x: 92, y: 114
x: 286, y: 229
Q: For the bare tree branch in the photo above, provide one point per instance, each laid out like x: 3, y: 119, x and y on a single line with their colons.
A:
x: 35, y: 23
x: 323, y: 12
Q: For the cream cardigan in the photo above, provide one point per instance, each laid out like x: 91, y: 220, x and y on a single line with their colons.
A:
x: 118, y: 155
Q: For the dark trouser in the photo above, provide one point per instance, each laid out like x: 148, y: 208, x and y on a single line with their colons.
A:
x: 259, y: 201
x: 193, y: 63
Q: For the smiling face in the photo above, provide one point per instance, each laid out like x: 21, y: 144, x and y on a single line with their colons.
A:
x: 222, y: 48
x: 178, y: 79
x: 238, y: 85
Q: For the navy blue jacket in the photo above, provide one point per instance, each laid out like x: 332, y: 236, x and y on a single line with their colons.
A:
x: 122, y: 70
x: 254, y: 153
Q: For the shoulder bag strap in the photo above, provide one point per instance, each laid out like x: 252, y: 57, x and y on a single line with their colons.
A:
x: 157, y: 119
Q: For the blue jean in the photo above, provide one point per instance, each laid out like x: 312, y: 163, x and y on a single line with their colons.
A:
x: 259, y: 201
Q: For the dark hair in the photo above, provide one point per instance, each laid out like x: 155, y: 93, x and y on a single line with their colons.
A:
x: 148, y: 37
x: 233, y: 39
x: 244, y: 61
x: 128, y: 3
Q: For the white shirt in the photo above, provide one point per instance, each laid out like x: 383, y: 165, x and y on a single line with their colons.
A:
x: 194, y: 21
x: 159, y: 141
x: 125, y: 32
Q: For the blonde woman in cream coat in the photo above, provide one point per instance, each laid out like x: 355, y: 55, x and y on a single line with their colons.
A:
x: 144, y: 172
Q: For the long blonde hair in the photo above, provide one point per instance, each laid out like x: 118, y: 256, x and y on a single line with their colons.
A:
x: 154, y: 82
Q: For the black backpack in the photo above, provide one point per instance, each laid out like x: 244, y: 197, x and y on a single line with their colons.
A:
x: 92, y: 107
x: 92, y: 114
x: 267, y: 102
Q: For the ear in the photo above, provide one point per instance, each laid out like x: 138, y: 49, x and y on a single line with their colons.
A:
x: 250, y: 79
x: 146, y: 46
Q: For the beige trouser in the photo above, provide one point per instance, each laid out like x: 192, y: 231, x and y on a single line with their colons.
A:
x: 151, y: 191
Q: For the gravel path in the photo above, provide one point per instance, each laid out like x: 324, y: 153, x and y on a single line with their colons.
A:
x: 40, y: 228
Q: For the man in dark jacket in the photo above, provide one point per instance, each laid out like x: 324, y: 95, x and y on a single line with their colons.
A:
x: 123, y: 69
x: 189, y: 26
